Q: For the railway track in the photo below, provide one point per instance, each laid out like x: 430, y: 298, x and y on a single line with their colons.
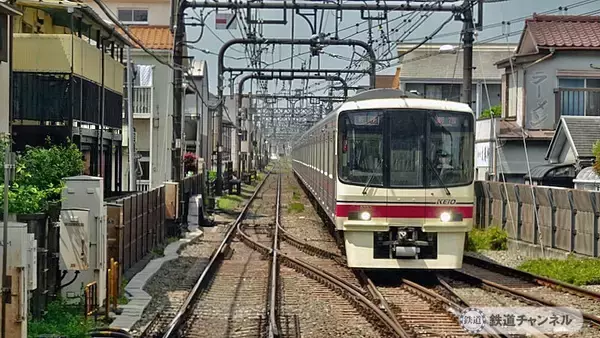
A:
x: 238, y: 292
x: 419, y: 311
x: 272, y: 274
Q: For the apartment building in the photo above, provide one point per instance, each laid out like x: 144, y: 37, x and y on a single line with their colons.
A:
x: 148, y: 21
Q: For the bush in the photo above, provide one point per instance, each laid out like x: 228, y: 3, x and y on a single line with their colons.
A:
x: 578, y: 271
x: 492, y: 238
x: 596, y: 151
x: 495, y: 111
x: 63, y: 319
x: 39, y: 174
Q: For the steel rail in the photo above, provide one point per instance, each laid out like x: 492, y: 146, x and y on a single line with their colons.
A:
x: 177, y: 322
x: 527, y: 297
x: 329, y: 279
x: 273, y: 329
x: 540, y: 280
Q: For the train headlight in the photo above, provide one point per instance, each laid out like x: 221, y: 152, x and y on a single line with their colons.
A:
x: 365, y: 216
x: 445, y: 217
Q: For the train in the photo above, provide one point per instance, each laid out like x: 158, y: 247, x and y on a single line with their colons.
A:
x: 394, y: 173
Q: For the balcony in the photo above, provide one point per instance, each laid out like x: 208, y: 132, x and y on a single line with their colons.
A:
x: 142, y: 102
x: 142, y: 185
x: 577, y: 102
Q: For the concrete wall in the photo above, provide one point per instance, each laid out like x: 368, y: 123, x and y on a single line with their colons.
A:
x: 512, y: 160
x: 541, y: 80
x: 158, y: 12
x: 162, y: 132
x: 4, y: 95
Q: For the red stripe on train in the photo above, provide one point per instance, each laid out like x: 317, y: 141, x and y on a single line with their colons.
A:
x: 403, y: 211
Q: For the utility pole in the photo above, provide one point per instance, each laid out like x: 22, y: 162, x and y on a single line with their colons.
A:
x: 468, y: 38
x: 130, y: 137
x: 179, y: 29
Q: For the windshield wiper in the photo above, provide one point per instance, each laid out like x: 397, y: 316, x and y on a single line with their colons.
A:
x: 364, y: 192
x: 428, y: 160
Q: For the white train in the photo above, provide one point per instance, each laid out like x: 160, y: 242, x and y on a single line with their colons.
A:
x: 394, y: 173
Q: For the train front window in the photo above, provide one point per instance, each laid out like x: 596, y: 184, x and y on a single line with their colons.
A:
x: 406, y: 148
x: 449, y: 149
x: 361, y: 148
x: 407, y: 133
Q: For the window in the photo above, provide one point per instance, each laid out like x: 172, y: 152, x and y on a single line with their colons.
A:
x: 579, y: 97
x: 133, y: 16
x: 145, y: 170
x: 3, y: 38
x: 406, y: 148
x: 450, y: 92
x: 361, y: 157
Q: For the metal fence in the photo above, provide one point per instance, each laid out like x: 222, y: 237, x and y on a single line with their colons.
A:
x: 560, y: 218
x: 46, y: 231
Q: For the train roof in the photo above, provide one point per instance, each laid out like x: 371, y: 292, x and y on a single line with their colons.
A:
x: 389, y: 99
x: 382, y: 93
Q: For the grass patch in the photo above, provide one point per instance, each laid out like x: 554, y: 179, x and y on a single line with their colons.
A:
x: 492, y: 238
x: 577, y: 271
x: 295, y: 195
x: 61, y: 319
x: 295, y: 207
x: 229, y: 202
x: 122, y: 299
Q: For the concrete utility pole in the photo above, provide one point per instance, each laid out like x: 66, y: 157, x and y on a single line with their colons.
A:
x: 179, y: 29
x: 130, y: 137
x: 468, y: 38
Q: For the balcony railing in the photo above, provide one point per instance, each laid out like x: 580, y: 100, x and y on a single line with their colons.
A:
x: 63, y: 53
x: 142, y: 101
x: 56, y: 97
x: 577, y: 102
x: 142, y: 185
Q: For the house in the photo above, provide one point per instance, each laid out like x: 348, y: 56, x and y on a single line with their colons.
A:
x: 435, y: 71
x: 68, y: 83
x: 554, y: 72
x: 199, y: 120
x: 7, y: 12
x: 388, y: 81
x: 570, y: 151
x: 153, y: 90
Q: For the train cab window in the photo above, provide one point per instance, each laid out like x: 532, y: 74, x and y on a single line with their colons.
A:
x: 407, y: 132
x: 450, y: 149
x: 361, y: 148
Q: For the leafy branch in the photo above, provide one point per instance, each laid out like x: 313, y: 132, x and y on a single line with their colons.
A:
x: 596, y: 152
x: 39, y: 173
x: 495, y: 111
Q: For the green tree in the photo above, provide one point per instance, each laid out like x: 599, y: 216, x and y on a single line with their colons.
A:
x: 39, y: 173
x: 496, y: 111
x: 596, y: 152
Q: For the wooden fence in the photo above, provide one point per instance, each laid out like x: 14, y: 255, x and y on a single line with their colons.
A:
x: 136, y: 226
x: 566, y: 219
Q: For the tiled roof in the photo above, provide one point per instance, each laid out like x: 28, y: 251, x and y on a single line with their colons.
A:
x: 153, y: 37
x: 565, y: 31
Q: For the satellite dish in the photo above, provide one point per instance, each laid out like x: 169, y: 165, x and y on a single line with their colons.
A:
x: 447, y: 49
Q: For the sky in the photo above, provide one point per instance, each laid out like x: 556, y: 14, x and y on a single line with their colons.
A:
x: 396, y: 28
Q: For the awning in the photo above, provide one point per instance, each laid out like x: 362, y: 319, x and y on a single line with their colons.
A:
x: 541, y: 171
x: 8, y: 9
